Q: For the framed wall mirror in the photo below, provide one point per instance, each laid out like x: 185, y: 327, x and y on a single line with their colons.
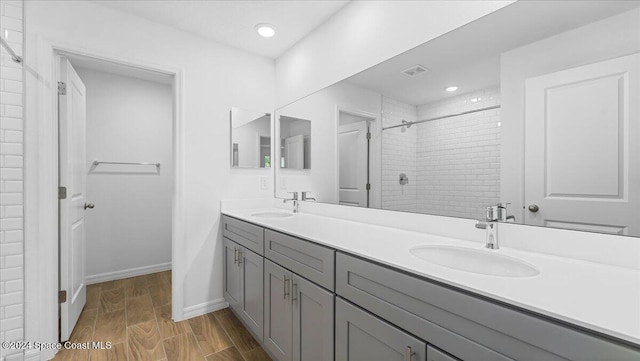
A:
x: 536, y: 105
x: 250, y: 139
x: 295, y: 142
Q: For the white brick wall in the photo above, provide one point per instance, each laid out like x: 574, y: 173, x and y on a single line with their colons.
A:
x: 458, y: 158
x: 11, y: 174
x: 398, y: 156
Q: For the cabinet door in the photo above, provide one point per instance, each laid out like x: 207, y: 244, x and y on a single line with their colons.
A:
x: 252, y: 295
x: 278, y: 311
x: 312, y: 321
x: 361, y: 336
x: 232, y: 290
x: 433, y: 354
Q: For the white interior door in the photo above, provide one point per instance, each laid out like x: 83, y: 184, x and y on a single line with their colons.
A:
x: 352, y: 159
x: 72, y: 175
x: 294, y: 152
x: 582, y: 147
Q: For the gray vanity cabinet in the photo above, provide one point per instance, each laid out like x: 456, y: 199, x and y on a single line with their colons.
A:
x: 251, y: 294
x: 312, y: 321
x: 243, y: 233
x: 243, y: 287
x: 361, y: 336
x: 278, y: 316
x: 311, y: 261
x: 231, y: 282
x: 298, y: 317
x: 433, y: 354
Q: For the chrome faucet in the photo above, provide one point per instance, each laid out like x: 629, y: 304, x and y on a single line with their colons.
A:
x: 494, y: 215
x: 294, y: 199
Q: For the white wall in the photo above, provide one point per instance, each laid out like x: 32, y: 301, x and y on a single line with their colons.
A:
x: 11, y: 178
x: 458, y: 159
x: 365, y: 33
x: 214, y: 78
x: 606, y: 39
x: 128, y: 120
x: 320, y: 109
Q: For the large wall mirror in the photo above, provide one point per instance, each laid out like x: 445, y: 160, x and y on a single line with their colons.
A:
x: 250, y: 139
x: 536, y: 105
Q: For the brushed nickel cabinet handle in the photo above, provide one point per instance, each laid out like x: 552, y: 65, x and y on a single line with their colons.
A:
x: 294, y: 292
x: 408, y: 354
x: 285, y: 282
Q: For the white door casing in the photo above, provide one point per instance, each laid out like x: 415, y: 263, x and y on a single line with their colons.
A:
x: 352, y: 168
x: 582, y: 147
x: 72, y: 174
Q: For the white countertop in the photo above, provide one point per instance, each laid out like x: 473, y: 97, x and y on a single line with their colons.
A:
x: 597, y: 296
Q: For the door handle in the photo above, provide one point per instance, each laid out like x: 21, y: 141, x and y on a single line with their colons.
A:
x: 408, y: 354
x: 533, y: 208
x: 285, y: 282
x: 89, y: 205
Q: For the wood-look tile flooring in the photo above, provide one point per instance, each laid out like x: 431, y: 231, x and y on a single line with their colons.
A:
x: 135, y: 315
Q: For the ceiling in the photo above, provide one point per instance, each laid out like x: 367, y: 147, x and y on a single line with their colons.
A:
x: 232, y: 22
x: 469, y: 57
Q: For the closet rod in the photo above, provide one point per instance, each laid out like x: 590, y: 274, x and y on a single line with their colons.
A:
x: 13, y: 54
x: 407, y: 124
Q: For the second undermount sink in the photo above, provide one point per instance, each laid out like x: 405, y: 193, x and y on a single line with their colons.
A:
x: 272, y: 214
x: 474, y: 261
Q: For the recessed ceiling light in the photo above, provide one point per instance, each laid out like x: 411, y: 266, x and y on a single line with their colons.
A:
x: 451, y: 88
x: 266, y: 30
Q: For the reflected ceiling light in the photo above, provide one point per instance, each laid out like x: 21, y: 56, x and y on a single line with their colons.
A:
x: 265, y: 30
x: 451, y: 88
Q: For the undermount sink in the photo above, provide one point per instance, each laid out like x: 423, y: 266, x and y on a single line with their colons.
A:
x: 272, y: 214
x: 474, y: 261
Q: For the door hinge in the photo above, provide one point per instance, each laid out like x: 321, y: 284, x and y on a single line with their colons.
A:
x: 368, y: 186
x: 62, y: 296
x: 62, y: 88
x: 62, y: 192
x: 368, y: 135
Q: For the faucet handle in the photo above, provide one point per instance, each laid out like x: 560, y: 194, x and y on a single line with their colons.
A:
x: 481, y: 225
x: 305, y: 196
x: 294, y: 195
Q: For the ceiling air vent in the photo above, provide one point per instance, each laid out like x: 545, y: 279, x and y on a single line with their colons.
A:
x: 415, y: 70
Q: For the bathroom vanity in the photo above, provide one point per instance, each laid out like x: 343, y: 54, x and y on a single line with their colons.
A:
x: 311, y: 287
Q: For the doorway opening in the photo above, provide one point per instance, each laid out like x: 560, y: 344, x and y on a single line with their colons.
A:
x: 117, y: 171
x: 354, y: 159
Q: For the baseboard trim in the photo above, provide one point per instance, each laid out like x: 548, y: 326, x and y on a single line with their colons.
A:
x: 32, y: 355
x: 131, y: 272
x: 205, y: 307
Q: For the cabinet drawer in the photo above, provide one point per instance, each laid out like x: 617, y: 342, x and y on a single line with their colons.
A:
x: 464, y: 325
x: 311, y: 261
x: 361, y: 336
x: 243, y: 233
x: 433, y: 354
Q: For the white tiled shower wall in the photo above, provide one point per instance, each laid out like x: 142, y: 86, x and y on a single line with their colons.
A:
x: 398, y: 156
x: 11, y: 174
x: 453, y: 164
x: 458, y: 158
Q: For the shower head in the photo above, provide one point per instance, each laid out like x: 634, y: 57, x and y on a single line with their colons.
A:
x: 405, y: 125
